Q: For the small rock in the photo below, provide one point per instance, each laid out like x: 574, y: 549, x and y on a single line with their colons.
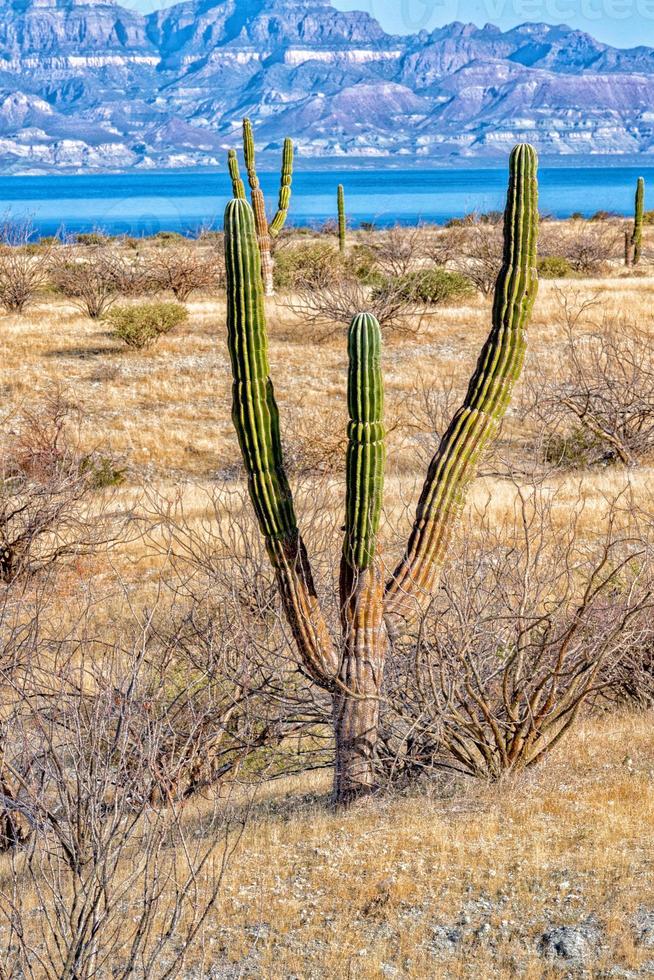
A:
x: 445, y: 938
x: 577, y: 944
x: 644, y: 923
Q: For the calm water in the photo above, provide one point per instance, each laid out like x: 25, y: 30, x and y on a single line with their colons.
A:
x: 138, y: 203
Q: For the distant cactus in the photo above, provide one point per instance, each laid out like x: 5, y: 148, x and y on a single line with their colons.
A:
x: 265, y: 231
x: 342, y: 224
x: 637, y: 236
x: 352, y: 669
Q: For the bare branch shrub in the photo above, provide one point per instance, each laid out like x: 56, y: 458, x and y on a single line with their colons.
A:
x: 399, y: 250
x: 599, y: 405
x: 183, y: 266
x: 92, y: 277
x: 478, y: 247
x: 528, y: 616
x: 587, y: 246
x: 51, y: 509
x: 24, y: 265
x: 333, y: 305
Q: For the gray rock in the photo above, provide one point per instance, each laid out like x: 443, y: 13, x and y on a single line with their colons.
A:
x: 576, y: 944
x: 445, y: 938
x: 644, y: 924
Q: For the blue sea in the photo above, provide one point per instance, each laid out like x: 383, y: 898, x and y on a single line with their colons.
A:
x: 145, y: 203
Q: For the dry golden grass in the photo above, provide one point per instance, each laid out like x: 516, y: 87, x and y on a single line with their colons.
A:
x: 311, y: 893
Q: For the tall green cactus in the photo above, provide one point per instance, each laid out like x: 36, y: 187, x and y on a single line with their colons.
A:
x: 342, y: 223
x: 637, y: 235
x: 265, y: 231
x: 476, y: 422
x: 256, y: 420
x: 355, y: 675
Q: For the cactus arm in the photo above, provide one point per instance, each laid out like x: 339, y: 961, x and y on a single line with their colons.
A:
x: 279, y: 220
x: 256, y: 420
x: 238, y: 187
x: 637, y: 236
x: 342, y: 225
x: 259, y: 208
x: 366, y: 443
x: 476, y: 422
x: 356, y: 707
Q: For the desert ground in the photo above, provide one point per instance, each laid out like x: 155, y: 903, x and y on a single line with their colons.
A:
x: 545, y: 872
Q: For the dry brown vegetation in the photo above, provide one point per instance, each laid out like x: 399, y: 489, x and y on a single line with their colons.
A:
x: 152, y: 587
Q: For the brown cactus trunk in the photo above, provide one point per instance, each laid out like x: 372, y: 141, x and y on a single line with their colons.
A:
x: 356, y: 704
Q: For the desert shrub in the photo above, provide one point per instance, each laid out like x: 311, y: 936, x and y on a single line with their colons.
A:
x: 91, y: 238
x: 184, y: 266
x: 531, y: 615
x: 477, y: 251
x: 93, y: 277
x: 598, y: 406
x: 314, y: 265
x: 361, y: 262
x: 554, y: 267
x: 140, y: 326
x: 47, y: 483
x: 434, y: 287
x: 400, y: 249
x: 587, y: 246
x: 23, y: 269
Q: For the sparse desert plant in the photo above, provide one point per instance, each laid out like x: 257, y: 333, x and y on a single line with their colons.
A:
x: 400, y: 249
x: 266, y: 231
x: 23, y: 269
x: 599, y: 405
x: 554, y: 267
x: 185, y: 266
x: 93, y: 276
x: 533, y: 620
x: 587, y: 246
x: 351, y: 669
x: 311, y: 266
x: 331, y: 305
x: 478, y: 248
x: 49, y: 513
x: 141, y: 325
x: 433, y: 287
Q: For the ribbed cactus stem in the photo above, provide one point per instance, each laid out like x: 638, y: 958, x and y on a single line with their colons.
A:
x: 286, y: 180
x: 238, y: 187
x: 250, y: 154
x: 489, y: 391
x: 256, y: 420
x: 342, y: 224
x: 366, y: 442
x: 356, y: 709
x: 639, y: 207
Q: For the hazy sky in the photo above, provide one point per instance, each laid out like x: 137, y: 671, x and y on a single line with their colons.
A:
x: 621, y: 22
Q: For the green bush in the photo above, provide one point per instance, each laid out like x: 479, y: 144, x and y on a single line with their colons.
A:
x: 554, y: 267
x: 433, y: 286
x: 91, y: 238
x: 140, y: 326
x: 361, y: 262
x: 314, y: 265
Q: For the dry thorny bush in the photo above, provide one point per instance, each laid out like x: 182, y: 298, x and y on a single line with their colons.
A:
x: 55, y: 500
x: 24, y: 266
x: 531, y: 623
x: 598, y: 405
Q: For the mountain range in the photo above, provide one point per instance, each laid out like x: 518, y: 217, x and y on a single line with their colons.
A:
x: 95, y: 86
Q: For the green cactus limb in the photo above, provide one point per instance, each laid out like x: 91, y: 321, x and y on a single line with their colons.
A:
x: 478, y: 419
x: 266, y: 232
x: 366, y: 442
x: 342, y: 223
x: 286, y: 181
x: 238, y: 187
x: 356, y: 707
x: 256, y: 420
x: 639, y: 207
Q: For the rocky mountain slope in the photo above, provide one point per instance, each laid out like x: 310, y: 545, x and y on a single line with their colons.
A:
x: 92, y: 85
